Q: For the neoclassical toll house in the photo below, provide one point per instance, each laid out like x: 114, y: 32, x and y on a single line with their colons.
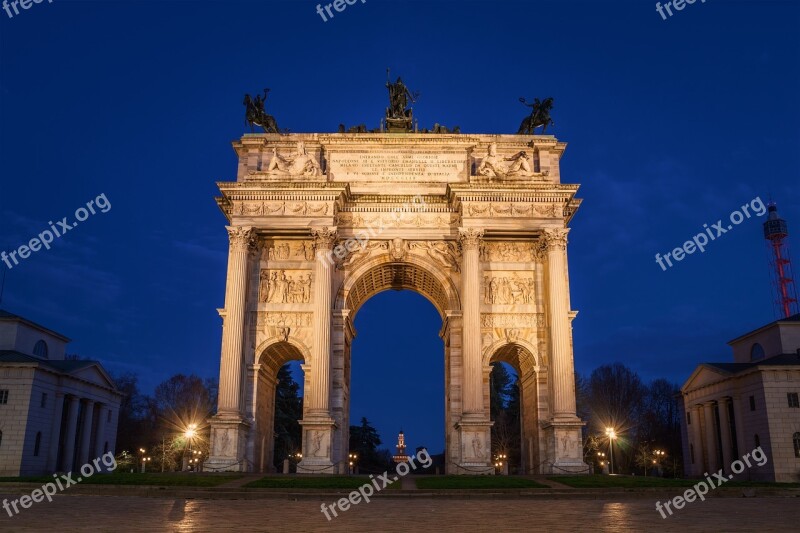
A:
x: 319, y: 223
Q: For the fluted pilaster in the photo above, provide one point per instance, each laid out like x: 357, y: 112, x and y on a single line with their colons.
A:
x: 557, y: 291
x: 319, y: 400
x: 241, y: 238
x: 470, y: 299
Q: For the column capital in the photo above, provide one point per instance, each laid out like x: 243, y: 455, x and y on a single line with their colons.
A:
x: 470, y: 238
x: 241, y: 237
x: 539, y: 250
x: 555, y: 239
x: 324, y: 238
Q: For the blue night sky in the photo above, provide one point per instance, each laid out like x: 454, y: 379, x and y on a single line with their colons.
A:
x: 671, y: 124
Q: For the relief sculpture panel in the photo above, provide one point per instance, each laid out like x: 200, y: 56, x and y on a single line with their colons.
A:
x: 285, y: 286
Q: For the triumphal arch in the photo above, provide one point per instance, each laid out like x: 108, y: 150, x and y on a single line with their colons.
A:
x: 319, y: 223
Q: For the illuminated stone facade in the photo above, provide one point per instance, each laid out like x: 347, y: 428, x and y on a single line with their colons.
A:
x: 319, y: 223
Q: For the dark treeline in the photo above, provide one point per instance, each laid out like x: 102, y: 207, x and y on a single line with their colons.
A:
x: 159, y: 423
x: 644, y: 416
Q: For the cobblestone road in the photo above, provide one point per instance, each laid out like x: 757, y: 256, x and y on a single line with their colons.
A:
x: 122, y: 514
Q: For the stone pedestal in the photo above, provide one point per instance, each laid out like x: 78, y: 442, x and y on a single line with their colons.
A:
x: 476, y: 446
x: 317, y: 449
x: 564, y: 447
x: 229, y: 442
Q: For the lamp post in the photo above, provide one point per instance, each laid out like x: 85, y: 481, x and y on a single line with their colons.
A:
x: 501, y: 462
x: 191, y: 431
x: 659, y: 456
x: 611, y: 436
x: 353, y: 463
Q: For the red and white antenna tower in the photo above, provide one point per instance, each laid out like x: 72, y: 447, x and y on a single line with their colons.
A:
x: 776, y: 231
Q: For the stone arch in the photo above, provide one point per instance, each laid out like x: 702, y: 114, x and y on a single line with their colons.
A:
x: 530, y: 368
x: 382, y: 273
x: 373, y: 276
x: 276, y: 352
x: 520, y: 354
x: 263, y: 379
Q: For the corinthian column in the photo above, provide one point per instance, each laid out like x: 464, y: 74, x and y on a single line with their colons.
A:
x: 230, y: 372
x: 319, y: 399
x: 470, y: 301
x: 557, y: 292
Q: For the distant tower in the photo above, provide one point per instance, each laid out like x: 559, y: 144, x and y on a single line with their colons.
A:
x: 776, y: 231
x: 401, y: 456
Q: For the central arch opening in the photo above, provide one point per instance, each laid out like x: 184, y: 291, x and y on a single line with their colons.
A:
x: 397, y: 377
x: 396, y: 368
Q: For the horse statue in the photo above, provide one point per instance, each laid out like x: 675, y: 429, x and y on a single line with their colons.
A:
x: 540, y: 116
x: 255, y: 114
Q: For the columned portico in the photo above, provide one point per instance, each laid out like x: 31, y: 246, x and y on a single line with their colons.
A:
x: 725, y: 434
x: 710, y: 436
x: 100, y: 432
x: 68, y: 459
x: 86, y: 433
x: 58, y: 413
x: 696, y: 440
x: 739, y: 425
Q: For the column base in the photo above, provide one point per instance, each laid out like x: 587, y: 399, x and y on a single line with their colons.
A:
x: 564, y: 446
x: 317, y: 439
x: 228, y: 445
x: 474, y: 431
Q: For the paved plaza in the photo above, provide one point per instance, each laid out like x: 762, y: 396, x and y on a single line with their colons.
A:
x: 118, y: 514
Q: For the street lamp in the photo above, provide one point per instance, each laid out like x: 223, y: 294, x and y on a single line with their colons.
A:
x: 611, y: 436
x: 190, y: 433
x: 659, y: 456
x: 144, y: 459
